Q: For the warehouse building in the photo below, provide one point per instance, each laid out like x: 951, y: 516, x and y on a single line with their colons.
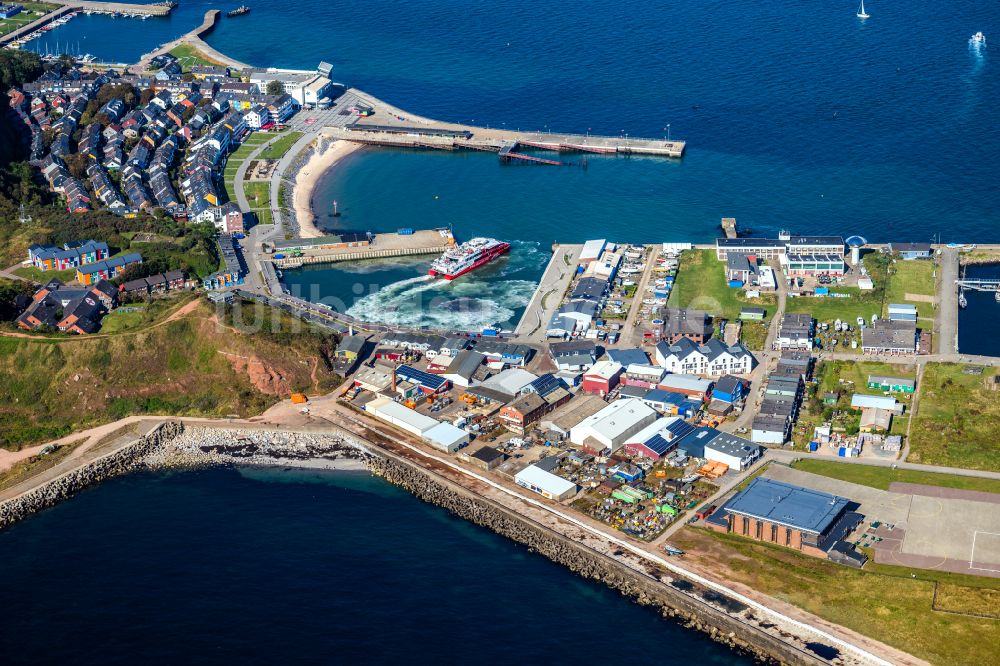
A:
x: 601, y: 378
x: 400, y: 416
x: 658, y: 438
x: 446, y: 437
x: 545, y: 483
x: 607, y: 430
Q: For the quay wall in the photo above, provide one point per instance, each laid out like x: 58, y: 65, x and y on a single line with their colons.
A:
x: 294, y: 262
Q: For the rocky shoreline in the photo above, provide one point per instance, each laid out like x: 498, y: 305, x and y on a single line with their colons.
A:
x: 172, y: 445
x: 202, y: 446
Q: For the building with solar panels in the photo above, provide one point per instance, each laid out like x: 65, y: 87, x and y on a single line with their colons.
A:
x: 807, y: 520
x: 658, y: 438
x: 426, y: 382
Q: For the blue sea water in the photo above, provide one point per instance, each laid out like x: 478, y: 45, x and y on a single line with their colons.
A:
x: 293, y: 566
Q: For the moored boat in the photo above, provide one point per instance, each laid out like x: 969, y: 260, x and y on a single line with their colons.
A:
x: 466, y: 257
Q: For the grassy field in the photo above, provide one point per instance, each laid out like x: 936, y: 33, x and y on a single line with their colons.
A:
x: 852, y: 376
x: 280, y: 146
x: 137, y: 316
x: 32, y: 12
x: 189, y: 366
x: 238, y: 157
x: 891, y: 604
x: 701, y: 284
x: 914, y: 278
x: 956, y: 422
x: 38, y: 275
x: 258, y: 194
x: 188, y: 56
x: 857, y: 304
x: 753, y: 334
x: 881, y: 477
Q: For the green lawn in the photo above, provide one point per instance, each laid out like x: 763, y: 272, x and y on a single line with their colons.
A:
x: 25, y: 17
x: 38, y: 275
x: 280, y: 146
x: 956, y: 421
x: 856, y: 304
x: 895, y: 605
x: 258, y: 194
x: 701, y: 284
x: 881, y: 477
x: 189, y: 56
x: 853, y: 375
x: 238, y: 157
x: 914, y: 278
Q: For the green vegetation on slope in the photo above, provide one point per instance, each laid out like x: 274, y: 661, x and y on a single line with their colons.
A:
x: 891, y: 604
x: 190, y: 366
x: 956, y: 422
x: 188, y: 57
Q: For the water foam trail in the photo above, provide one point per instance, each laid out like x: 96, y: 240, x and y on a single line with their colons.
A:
x: 455, y: 305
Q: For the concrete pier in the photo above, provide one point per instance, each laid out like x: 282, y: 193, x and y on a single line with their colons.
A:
x: 391, y: 126
x: 503, y: 142
x: 329, y: 250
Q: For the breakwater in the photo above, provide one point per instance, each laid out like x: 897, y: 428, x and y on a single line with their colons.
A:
x: 675, y: 599
x: 172, y: 445
x: 124, y: 460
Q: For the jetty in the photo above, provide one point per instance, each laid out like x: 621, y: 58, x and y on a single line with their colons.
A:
x: 504, y: 142
x: 120, y: 8
x: 356, y: 247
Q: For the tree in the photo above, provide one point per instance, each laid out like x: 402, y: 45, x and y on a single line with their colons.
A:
x: 275, y: 88
x: 77, y: 164
x: 145, y: 96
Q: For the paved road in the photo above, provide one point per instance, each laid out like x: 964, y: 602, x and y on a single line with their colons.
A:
x: 948, y: 302
x: 550, y: 289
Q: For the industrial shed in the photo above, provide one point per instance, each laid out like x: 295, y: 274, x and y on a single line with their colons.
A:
x: 545, y: 483
x: 446, y: 437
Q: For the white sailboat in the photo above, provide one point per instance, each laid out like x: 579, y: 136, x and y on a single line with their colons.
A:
x: 862, y: 14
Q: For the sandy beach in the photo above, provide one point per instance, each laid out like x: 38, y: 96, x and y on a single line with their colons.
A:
x: 305, y: 183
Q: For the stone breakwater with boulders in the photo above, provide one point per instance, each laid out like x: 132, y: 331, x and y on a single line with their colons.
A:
x: 129, y: 458
x: 199, y: 446
x: 172, y: 445
x: 680, y: 601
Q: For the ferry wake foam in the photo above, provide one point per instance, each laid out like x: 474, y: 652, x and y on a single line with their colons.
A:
x: 466, y: 257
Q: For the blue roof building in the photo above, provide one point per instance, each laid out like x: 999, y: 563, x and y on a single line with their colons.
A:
x: 801, y: 518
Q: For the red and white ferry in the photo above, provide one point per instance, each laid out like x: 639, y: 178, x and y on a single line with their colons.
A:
x: 470, y: 255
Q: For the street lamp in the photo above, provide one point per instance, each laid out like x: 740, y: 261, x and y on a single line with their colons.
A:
x: 668, y: 131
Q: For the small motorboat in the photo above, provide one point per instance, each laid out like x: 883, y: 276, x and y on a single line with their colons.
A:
x: 978, y: 39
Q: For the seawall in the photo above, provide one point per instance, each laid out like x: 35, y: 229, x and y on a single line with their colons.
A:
x: 124, y: 460
x: 675, y: 603
x: 171, y: 444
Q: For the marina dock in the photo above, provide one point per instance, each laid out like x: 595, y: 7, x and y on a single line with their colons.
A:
x: 356, y: 247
